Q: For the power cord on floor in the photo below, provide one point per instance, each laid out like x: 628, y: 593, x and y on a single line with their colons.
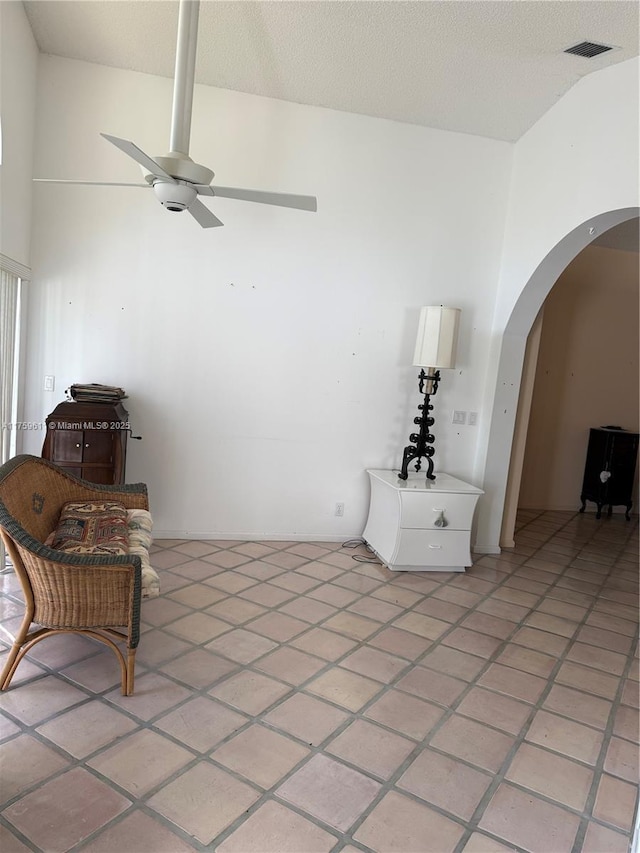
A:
x: 361, y: 558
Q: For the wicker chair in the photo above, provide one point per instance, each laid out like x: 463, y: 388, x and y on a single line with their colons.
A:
x: 66, y: 592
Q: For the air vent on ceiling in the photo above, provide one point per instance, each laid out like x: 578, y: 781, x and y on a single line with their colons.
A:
x: 588, y: 49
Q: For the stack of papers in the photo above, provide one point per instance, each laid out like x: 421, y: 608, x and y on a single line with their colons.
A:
x: 95, y: 393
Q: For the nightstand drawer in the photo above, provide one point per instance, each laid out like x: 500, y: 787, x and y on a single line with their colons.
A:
x: 428, y: 547
x: 422, y: 510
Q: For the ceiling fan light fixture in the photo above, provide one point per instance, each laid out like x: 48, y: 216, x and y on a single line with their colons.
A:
x: 174, y: 196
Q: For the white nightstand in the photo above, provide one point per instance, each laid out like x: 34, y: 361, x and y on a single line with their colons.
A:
x: 420, y: 525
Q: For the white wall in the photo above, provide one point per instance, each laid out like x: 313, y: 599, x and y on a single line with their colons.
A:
x: 18, y: 69
x: 579, y: 160
x: 587, y: 373
x: 268, y: 363
x: 262, y: 403
x: 576, y: 169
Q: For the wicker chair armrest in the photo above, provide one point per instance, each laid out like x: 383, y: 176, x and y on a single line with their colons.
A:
x: 68, y: 595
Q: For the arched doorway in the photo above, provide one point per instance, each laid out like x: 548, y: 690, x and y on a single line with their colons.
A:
x: 511, y: 362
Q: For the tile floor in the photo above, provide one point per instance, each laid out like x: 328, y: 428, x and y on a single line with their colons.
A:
x: 290, y: 698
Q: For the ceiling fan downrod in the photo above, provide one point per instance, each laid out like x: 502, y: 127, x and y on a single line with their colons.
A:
x: 184, y: 75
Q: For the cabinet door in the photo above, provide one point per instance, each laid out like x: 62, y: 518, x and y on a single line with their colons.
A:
x: 597, y: 461
x: 97, y: 447
x: 67, y: 446
x: 622, y: 465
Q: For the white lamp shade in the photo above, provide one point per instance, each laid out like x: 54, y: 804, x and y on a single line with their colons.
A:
x: 437, y: 337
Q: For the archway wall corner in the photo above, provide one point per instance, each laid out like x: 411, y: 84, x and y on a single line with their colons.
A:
x: 509, y: 347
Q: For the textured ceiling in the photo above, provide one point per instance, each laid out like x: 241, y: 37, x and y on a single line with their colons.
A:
x: 486, y: 68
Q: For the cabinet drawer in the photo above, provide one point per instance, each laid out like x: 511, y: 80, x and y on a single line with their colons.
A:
x: 432, y: 548
x: 421, y: 511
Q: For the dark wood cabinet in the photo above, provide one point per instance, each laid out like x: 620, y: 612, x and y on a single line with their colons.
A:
x: 609, y: 470
x: 89, y: 440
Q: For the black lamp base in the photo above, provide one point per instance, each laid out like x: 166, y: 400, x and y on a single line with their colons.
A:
x: 422, y: 442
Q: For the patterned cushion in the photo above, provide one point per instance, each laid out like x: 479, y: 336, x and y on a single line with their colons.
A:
x: 92, y: 528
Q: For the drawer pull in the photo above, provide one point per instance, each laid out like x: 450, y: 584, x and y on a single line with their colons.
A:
x: 77, y: 445
x: 440, y: 521
x: 437, y: 547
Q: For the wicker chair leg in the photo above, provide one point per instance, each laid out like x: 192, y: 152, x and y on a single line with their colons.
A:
x: 131, y: 668
x: 10, y: 666
x: 19, y: 647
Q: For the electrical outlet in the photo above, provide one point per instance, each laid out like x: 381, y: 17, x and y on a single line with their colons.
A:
x: 473, y: 418
x: 459, y: 418
x: 49, y: 383
x: 339, y: 509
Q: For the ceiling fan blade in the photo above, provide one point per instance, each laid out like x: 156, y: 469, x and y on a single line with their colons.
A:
x: 203, y: 215
x: 300, y: 202
x: 204, y: 189
x: 89, y: 183
x: 139, y: 156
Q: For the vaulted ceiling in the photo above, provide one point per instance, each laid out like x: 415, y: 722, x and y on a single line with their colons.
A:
x: 487, y: 68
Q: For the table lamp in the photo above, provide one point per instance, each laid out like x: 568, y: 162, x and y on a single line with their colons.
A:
x: 435, y: 350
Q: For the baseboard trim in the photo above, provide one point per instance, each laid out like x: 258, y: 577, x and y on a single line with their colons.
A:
x: 253, y: 537
x: 486, y: 549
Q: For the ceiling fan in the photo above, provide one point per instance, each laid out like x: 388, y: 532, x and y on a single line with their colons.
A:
x: 176, y: 180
